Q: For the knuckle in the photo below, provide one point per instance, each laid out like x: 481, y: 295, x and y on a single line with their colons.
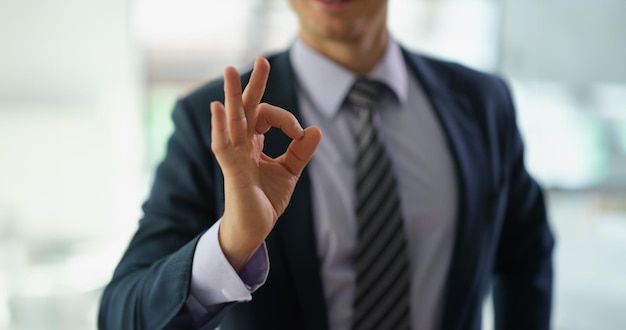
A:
x: 217, y: 147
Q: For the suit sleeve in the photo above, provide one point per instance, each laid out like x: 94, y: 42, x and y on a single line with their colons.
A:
x: 522, y: 289
x: 151, y: 283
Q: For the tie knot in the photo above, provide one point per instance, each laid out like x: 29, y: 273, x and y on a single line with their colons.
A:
x: 364, y: 93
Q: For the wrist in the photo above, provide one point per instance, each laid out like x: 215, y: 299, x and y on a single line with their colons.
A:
x: 236, y: 247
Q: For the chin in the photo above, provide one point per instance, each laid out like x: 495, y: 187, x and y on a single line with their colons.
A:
x: 333, y: 28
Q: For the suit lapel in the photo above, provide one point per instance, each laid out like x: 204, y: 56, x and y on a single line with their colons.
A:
x: 294, y: 232
x: 463, y: 134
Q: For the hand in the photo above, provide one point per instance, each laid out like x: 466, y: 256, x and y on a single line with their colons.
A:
x: 257, y: 188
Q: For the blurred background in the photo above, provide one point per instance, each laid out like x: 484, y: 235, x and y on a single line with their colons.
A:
x: 87, y: 88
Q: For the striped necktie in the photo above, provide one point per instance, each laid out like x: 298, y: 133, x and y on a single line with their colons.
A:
x: 381, y: 264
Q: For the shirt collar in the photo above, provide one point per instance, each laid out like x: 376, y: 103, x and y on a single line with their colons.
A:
x: 326, y: 83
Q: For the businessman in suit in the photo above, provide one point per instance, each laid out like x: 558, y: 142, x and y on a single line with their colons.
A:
x: 238, y: 233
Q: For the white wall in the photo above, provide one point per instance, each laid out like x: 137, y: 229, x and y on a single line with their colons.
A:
x: 70, y: 156
x: 69, y: 116
x: 578, y: 41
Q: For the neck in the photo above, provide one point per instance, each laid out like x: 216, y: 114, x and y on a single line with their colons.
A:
x: 359, y: 56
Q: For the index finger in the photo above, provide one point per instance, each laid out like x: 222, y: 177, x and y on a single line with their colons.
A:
x: 273, y: 116
x: 235, y: 116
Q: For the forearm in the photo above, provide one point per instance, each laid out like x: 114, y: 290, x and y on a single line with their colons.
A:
x: 150, y: 296
x: 522, y: 288
x: 213, y: 287
x: 523, y: 268
x: 214, y: 281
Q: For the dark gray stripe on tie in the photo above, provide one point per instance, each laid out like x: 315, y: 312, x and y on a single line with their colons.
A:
x: 375, y: 271
x: 369, y: 316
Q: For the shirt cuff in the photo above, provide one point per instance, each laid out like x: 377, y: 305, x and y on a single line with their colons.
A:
x: 215, y: 282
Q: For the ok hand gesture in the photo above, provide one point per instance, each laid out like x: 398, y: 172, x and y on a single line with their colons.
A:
x: 257, y: 188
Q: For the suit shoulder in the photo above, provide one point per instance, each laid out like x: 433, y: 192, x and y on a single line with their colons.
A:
x: 462, y: 77
x: 479, y: 94
x: 478, y: 87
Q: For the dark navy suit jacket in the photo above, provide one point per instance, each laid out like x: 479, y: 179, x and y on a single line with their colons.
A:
x: 502, y: 240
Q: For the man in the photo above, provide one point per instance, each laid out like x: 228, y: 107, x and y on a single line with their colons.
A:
x: 467, y: 210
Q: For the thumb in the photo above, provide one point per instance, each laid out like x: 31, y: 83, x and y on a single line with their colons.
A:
x: 301, y: 150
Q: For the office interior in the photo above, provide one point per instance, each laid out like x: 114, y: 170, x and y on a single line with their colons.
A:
x: 87, y: 88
